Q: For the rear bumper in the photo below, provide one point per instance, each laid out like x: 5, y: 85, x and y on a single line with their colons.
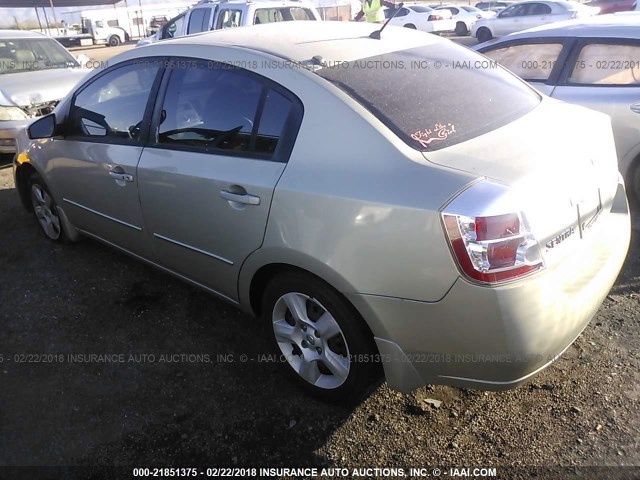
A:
x: 497, y: 338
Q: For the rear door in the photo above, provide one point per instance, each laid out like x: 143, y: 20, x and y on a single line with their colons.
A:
x: 604, y: 74
x: 510, y: 20
x: 220, y: 140
x: 537, y: 14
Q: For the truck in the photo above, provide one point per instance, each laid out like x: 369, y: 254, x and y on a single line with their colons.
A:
x: 93, y: 32
x: 217, y: 14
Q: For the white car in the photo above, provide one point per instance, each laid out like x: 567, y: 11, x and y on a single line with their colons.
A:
x: 420, y: 17
x: 529, y: 14
x: 466, y: 16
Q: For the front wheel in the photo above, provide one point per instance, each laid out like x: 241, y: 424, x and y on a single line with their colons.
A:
x: 114, y: 41
x: 484, y: 35
x: 322, y: 338
x: 45, y: 210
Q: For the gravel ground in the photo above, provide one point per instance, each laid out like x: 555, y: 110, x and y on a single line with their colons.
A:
x: 175, y: 410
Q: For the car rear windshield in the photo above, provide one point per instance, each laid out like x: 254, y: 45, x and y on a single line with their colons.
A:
x: 434, y: 96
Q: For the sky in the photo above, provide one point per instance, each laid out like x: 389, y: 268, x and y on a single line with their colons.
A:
x: 8, y: 16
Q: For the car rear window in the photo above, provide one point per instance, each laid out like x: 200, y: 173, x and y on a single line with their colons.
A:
x: 434, y: 96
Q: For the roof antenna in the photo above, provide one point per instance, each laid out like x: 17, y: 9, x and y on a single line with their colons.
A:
x: 376, y: 34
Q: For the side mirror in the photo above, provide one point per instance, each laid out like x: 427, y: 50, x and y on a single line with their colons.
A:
x: 44, y: 127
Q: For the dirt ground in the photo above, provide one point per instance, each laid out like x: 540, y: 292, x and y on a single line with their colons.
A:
x: 169, y: 393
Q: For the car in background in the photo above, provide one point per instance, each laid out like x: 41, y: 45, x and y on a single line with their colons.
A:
x: 35, y: 73
x: 463, y: 240
x: 529, y: 14
x: 156, y: 24
x: 612, y: 6
x: 594, y: 62
x: 420, y: 17
x: 465, y: 16
x: 216, y: 15
x: 493, y: 6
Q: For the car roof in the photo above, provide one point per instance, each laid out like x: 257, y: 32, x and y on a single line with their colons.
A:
x: 301, y: 41
x: 615, y: 25
x: 7, y: 34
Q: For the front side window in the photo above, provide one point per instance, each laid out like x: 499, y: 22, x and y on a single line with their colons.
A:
x: 216, y: 108
x: 27, y: 55
x: 173, y: 28
x: 416, y: 102
x: 601, y: 64
x: 538, y: 9
x: 112, y: 107
x: 533, y: 62
x: 229, y: 19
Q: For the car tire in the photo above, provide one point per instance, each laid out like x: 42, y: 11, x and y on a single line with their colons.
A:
x: 114, y: 41
x: 410, y: 25
x: 484, y: 35
x: 461, y: 29
x: 45, y: 210
x: 326, y: 346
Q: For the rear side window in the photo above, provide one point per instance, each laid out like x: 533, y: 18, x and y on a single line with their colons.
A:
x: 410, y: 92
x: 229, y: 19
x: 599, y: 64
x: 283, y: 14
x: 215, y: 108
x: 533, y: 62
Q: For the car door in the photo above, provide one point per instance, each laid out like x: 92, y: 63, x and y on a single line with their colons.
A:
x: 537, y: 14
x: 94, y: 165
x: 604, y: 74
x: 221, y: 138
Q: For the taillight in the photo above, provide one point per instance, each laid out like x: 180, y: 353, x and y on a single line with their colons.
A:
x: 433, y: 18
x: 493, y: 249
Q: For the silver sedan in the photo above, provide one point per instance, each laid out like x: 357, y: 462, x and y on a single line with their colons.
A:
x: 593, y: 62
x: 323, y: 180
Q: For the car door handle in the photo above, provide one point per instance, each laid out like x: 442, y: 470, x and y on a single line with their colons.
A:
x: 635, y: 107
x: 125, y: 177
x: 240, y: 197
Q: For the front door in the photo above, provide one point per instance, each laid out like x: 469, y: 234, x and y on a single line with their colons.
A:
x: 95, y: 164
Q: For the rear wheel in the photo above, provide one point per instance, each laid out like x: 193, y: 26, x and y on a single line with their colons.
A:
x: 328, y: 349
x: 410, y: 25
x: 484, y: 35
x: 461, y: 29
x: 114, y: 41
x: 45, y: 210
